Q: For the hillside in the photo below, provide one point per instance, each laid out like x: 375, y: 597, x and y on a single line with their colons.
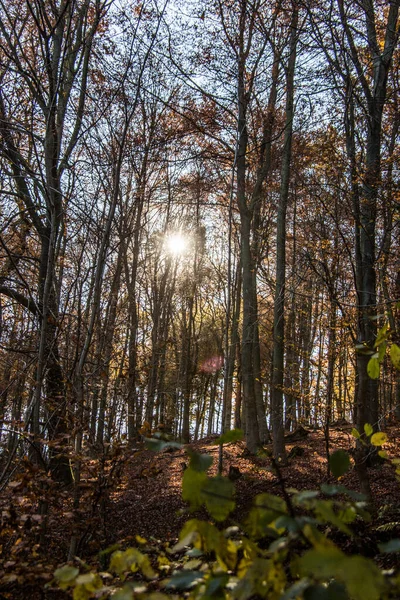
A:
x: 139, y: 493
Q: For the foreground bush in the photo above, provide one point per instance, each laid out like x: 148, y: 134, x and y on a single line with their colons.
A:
x: 284, y: 548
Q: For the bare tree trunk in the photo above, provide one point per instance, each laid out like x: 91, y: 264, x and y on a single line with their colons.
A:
x: 279, y: 303
x: 330, y: 375
x: 232, y: 352
x: 109, y: 327
x: 375, y: 97
x: 247, y: 365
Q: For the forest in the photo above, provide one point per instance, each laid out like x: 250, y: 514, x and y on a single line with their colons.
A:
x: 199, y: 237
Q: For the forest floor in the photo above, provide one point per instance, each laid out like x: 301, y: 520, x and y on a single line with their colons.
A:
x: 139, y: 494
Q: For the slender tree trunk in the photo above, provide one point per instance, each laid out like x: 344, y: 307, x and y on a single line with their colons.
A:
x: 130, y: 268
x: 232, y: 352
x: 247, y: 365
x: 279, y: 303
x: 240, y: 421
x: 109, y: 327
x: 330, y: 375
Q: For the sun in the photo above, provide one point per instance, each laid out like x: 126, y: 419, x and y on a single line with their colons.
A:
x: 176, y: 244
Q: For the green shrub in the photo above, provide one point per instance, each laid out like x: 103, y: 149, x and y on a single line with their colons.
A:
x: 282, y: 550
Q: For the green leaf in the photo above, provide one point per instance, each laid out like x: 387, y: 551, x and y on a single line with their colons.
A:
x: 395, y: 355
x: 373, y: 368
x: 355, y: 433
x: 207, y: 538
x: 382, y: 335
x: 218, y: 494
x: 271, y: 502
x: 324, y: 512
x: 199, y: 462
x: 66, y: 575
x: 339, y: 463
x: 214, y: 585
x: 234, y: 435
x: 369, y: 430
x: 184, y: 579
x: 334, y: 591
x: 305, y: 495
x: 267, y: 509
x: 278, y: 545
x: 334, y: 489
x: 378, y: 439
x: 288, y: 523
x: 90, y: 581
x: 363, y: 579
x: 158, y: 445
x: 322, y: 563
x: 126, y: 593
x: 260, y: 578
x: 391, y: 546
x: 194, y: 552
x: 347, y: 514
x: 193, y: 483
x: 295, y: 591
x: 86, y: 586
x: 382, y: 351
x: 131, y: 560
x: 192, y: 564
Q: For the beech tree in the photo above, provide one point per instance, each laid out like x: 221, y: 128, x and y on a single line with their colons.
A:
x: 277, y: 410
x: 45, y: 57
x: 362, y: 63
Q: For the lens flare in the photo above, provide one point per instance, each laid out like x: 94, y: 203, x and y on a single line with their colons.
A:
x: 212, y: 364
x: 176, y: 244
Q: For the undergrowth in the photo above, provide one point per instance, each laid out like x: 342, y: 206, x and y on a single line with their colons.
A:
x: 283, y: 549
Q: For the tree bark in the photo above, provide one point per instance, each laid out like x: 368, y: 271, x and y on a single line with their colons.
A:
x: 277, y: 409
